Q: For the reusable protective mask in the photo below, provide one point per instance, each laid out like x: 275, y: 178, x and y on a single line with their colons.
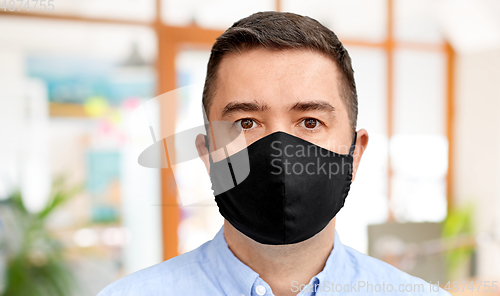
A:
x: 293, y: 190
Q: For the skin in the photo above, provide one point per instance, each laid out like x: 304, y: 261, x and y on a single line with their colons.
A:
x: 291, y: 91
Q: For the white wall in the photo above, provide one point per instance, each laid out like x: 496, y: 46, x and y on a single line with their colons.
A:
x: 477, y: 146
x: 11, y: 118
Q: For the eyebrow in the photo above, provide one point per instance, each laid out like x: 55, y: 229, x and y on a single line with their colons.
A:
x: 254, y: 106
x: 243, y: 106
x: 313, y: 105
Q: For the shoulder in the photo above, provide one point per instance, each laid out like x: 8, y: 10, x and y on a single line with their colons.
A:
x: 181, y: 273
x: 368, y: 269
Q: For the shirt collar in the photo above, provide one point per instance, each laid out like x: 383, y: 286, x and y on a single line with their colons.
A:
x: 235, y: 276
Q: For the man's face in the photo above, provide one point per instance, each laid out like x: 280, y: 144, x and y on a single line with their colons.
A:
x: 293, y: 91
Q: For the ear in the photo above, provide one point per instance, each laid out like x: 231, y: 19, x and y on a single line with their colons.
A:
x: 201, y: 146
x: 361, y: 143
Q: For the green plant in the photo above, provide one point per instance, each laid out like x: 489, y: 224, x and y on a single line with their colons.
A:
x: 35, y: 262
x: 458, y: 222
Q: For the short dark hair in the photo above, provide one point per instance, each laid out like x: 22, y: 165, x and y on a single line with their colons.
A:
x: 283, y: 31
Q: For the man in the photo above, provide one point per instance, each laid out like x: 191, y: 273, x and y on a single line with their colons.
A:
x: 287, y: 83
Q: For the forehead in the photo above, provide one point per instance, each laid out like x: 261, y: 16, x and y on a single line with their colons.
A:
x: 277, y: 77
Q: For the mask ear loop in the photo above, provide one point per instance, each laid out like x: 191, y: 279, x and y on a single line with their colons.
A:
x: 353, y: 145
x: 233, y: 176
x: 208, y: 148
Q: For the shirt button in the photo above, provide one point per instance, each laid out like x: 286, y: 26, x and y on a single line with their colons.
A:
x: 261, y: 290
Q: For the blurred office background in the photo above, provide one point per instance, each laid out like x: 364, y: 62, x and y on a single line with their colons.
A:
x: 426, y: 198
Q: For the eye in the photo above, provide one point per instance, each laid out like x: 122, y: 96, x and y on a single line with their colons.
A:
x: 310, y: 123
x: 246, y: 123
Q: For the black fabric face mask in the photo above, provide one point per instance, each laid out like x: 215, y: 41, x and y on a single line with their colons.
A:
x: 293, y: 190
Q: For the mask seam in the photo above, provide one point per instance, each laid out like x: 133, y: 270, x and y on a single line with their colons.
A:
x: 283, y: 204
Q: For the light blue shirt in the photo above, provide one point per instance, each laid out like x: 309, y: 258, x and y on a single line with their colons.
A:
x: 212, y: 269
